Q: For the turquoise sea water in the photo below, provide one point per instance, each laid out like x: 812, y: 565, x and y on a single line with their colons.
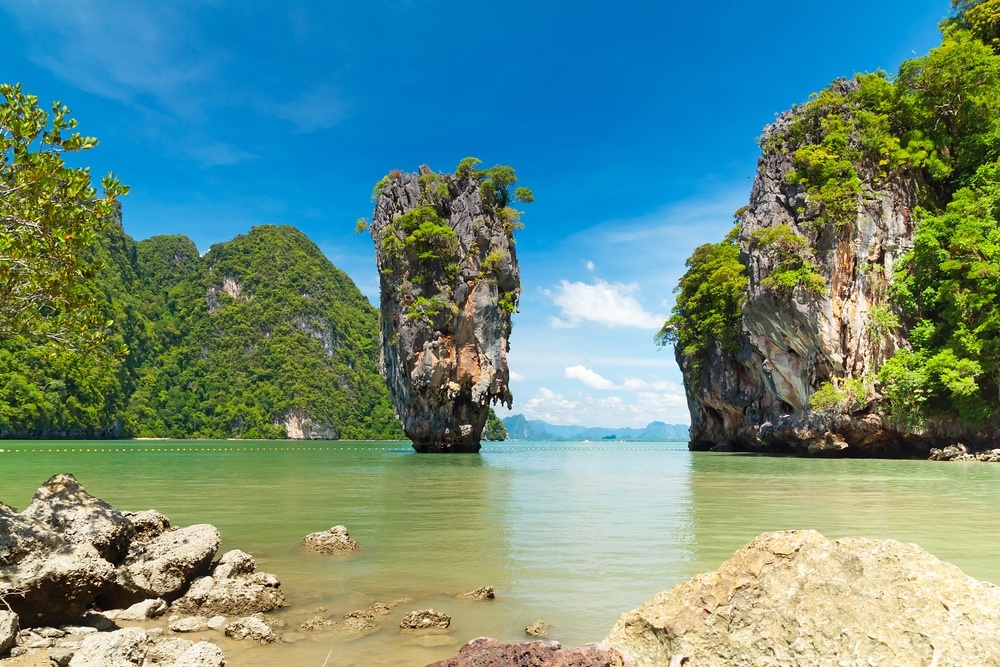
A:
x: 572, y: 533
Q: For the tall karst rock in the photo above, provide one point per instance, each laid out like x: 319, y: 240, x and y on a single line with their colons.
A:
x: 852, y: 310
x: 449, y: 284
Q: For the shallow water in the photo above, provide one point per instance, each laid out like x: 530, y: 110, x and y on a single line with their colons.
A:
x: 574, y: 534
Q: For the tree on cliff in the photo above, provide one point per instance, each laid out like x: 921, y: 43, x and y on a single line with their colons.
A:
x: 50, y: 215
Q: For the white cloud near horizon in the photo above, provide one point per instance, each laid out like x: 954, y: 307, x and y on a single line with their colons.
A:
x: 606, y: 411
x: 610, y: 304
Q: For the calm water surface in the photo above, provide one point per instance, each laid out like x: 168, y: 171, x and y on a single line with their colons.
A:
x: 574, y: 534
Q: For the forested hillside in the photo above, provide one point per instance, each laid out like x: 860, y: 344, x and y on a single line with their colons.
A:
x: 261, y: 338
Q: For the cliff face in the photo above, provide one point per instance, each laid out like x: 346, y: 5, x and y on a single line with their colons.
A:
x: 449, y: 283
x: 795, y: 340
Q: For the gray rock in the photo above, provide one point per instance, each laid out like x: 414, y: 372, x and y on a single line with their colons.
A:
x: 445, y: 322
x: 217, y: 622
x: 176, y: 652
x: 253, y: 628
x: 122, y: 648
x: 234, y: 563
x: 483, y: 593
x: 488, y: 652
x: 79, y: 629
x: 60, y: 657
x: 536, y: 628
x: 189, y: 624
x: 147, y: 524
x: 143, y: 611
x: 796, y: 598
x: 46, y: 579
x: 335, y: 540
x: 233, y: 589
x: 64, y: 506
x: 423, y: 619
x: 9, y: 627
x: 164, y: 566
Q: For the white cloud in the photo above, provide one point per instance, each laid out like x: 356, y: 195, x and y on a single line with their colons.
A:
x: 610, y: 304
x: 613, y: 411
x: 638, y: 384
x: 516, y: 377
x: 589, y: 378
x: 590, y: 265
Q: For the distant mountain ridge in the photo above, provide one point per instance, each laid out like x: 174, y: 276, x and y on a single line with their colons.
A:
x: 521, y: 428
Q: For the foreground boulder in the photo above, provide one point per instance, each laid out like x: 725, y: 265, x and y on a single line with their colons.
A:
x: 64, y: 506
x: 163, y: 566
x: 449, y: 281
x: 796, y: 598
x: 9, y: 628
x: 487, y: 652
x: 44, y: 578
x: 134, y: 647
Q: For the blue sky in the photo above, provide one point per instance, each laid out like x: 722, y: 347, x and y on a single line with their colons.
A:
x: 633, y: 122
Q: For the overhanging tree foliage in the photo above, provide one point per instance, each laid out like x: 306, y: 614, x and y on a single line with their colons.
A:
x: 50, y: 214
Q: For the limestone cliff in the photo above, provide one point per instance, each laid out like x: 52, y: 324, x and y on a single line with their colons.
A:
x: 449, y: 284
x: 816, y: 322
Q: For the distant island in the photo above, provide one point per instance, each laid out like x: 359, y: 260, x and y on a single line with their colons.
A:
x: 536, y: 430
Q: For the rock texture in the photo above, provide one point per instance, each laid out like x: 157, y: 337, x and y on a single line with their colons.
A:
x: 335, y: 540
x: 446, y: 301
x: 488, y: 652
x: 757, y: 397
x: 796, y: 598
x: 425, y: 618
x: 234, y: 589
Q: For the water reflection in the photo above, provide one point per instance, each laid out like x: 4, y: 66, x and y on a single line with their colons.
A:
x: 945, y: 508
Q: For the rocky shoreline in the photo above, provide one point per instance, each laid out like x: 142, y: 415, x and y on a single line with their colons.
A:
x: 85, y: 585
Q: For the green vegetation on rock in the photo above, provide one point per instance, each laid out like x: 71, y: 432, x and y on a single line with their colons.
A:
x: 710, y: 297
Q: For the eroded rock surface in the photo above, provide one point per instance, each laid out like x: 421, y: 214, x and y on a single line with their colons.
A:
x: 163, y: 566
x: 423, y: 619
x: 234, y: 588
x: 488, y: 652
x: 335, y: 540
x: 797, y: 598
x: 449, y: 283
x: 793, y: 342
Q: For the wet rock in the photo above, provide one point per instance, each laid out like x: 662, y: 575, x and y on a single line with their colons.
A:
x: 336, y: 540
x: 536, y: 629
x: 445, y: 310
x: 101, y: 621
x: 177, y: 652
x: 233, y: 589
x: 253, y: 628
x: 423, y: 619
x: 488, y: 652
x: 316, y: 623
x: 189, y: 624
x: 217, y: 623
x: 79, y: 629
x: 954, y: 452
x: 143, y: 611
x: 164, y: 566
x: 122, y: 648
x: 796, y: 598
x: 9, y: 627
x: 63, y: 506
x: 484, y: 593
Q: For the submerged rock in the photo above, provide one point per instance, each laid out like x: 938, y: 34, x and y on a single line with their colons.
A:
x: 335, y: 540
x: 425, y: 618
x: 797, y: 598
x: 536, y: 628
x: 449, y: 282
x: 253, y: 628
x: 488, y: 652
x: 482, y: 593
